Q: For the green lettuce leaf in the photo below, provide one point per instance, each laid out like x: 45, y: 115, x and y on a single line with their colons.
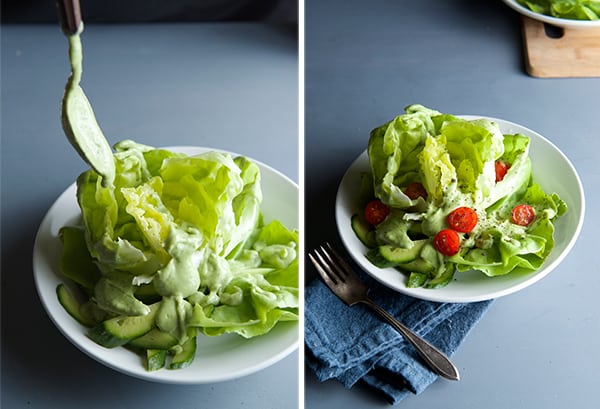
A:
x: 393, y: 149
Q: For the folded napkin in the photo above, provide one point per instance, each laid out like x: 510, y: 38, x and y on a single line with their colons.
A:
x: 354, y: 345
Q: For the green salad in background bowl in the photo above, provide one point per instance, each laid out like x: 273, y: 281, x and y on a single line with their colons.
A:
x: 569, y: 9
x: 571, y: 14
x: 458, y: 208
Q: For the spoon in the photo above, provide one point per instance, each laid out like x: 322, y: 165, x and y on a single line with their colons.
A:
x: 78, y: 120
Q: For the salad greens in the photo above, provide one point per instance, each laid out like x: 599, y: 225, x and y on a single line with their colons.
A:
x: 170, y: 245
x: 185, y: 232
x: 569, y: 9
x: 454, y: 161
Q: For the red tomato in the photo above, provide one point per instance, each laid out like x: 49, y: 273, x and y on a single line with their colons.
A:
x: 415, y: 190
x: 501, y: 169
x: 462, y: 219
x: 523, y: 214
x: 447, y: 242
x: 376, y: 211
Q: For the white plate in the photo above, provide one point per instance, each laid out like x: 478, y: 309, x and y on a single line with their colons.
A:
x: 217, y: 358
x: 558, y: 22
x: 551, y: 169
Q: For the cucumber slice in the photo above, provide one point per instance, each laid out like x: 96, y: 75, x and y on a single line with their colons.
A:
x: 375, y: 257
x: 416, y: 280
x: 154, y: 339
x: 400, y: 254
x: 120, y: 330
x: 155, y: 359
x: 363, y: 231
x: 186, y: 356
x: 93, y: 313
x: 443, y: 279
x: 71, y: 305
x: 417, y: 265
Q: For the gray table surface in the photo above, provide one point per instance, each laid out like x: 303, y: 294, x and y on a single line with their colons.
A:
x: 366, y: 61
x: 225, y: 86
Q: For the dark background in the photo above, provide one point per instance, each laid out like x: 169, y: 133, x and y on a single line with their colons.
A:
x: 127, y: 11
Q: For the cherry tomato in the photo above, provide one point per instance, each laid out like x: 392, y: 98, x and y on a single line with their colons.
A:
x: 523, y: 214
x: 415, y: 190
x: 501, y: 169
x: 462, y: 219
x: 376, y: 211
x: 447, y: 242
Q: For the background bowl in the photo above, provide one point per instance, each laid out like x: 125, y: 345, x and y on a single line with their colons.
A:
x: 558, y: 22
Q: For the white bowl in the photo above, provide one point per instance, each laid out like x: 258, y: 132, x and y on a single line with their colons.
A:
x: 558, y: 22
x: 551, y: 169
x: 217, y: 358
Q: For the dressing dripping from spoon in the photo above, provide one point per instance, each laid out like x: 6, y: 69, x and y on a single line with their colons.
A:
x: 78, y: 120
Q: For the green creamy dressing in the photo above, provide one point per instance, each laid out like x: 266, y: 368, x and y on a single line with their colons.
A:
x: 178, y: 279
x: 436, y: 220
x: 180, y: 276
x: 277, y: 255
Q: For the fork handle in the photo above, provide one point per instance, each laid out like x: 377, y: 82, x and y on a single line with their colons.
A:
x: 436, y: 359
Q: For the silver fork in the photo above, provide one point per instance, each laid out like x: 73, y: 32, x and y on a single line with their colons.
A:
x: 344, y: 283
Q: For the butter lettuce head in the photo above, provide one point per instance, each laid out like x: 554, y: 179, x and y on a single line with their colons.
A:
x: 187, y: 230
x: 454, y: 159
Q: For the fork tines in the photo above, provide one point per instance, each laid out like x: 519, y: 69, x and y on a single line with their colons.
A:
x: 329, y: 264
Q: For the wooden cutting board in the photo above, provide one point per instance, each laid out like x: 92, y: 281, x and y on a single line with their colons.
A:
x: 575, y: 54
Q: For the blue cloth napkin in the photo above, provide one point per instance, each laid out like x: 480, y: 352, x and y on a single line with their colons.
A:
x: 354, y: 345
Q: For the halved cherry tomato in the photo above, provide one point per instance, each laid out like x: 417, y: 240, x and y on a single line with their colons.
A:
x: 415, y: 190
x: 376, y: 211
x: 523, y: 214
x: 501, y: 169
x: 447, y: 242
x: 462, y: 219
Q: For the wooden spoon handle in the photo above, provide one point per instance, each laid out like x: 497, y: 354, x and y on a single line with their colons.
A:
x: 70, y: 16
